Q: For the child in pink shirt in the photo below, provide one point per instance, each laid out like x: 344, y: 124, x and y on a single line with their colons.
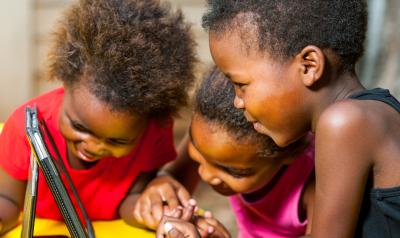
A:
x: 270, y: 189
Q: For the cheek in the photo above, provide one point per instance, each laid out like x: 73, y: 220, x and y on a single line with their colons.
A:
x: 67, y: 132
x: 121, y: 152
x: 244, y: 185
x: 257, y: 101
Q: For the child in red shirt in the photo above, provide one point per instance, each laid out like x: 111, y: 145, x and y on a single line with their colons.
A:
x: 111, y: 120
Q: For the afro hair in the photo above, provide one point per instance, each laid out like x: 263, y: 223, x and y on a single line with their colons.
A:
x: 136, y: 55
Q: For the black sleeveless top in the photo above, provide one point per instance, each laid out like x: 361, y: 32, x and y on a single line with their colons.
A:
x: 380, y: 211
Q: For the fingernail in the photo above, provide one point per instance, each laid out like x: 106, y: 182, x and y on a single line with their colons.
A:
x: 210, y: 229
x: 168, y: 227
x: 196, y: 208
x: 208, y: 214
x: 192, y: 202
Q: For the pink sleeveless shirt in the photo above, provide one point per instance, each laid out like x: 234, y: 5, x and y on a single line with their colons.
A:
x: 276, y: 215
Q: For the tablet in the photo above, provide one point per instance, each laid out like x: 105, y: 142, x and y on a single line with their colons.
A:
x: 52, y: 167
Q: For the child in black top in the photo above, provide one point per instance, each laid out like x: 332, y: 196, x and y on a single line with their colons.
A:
x: 293, y: 66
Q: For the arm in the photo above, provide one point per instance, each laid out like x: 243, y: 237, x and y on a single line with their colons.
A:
x: 308, y: 203
x: 12, y: 193
x: 127, y: 207
x: 343, y: 162
x: 184, y: 169
x: 164, y: 194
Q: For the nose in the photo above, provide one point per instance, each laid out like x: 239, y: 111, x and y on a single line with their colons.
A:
x: 208, y: 176
x: 238, y: 102
x: 94, y: 147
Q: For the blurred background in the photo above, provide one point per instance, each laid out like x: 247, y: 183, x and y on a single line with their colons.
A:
x: 24, y: 39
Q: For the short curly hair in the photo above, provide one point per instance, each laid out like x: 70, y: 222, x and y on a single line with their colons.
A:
x: 136, y: 55
x: 214, y: 103
x: 285, y: 27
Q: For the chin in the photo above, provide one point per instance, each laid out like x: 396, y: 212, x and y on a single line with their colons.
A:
x: 224, y: 190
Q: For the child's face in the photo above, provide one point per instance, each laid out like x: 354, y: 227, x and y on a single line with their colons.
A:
x: 270, y: 92
x: 92, y: 131
x: 228, y: 166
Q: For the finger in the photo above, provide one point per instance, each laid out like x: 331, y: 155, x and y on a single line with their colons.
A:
x: 208, y: 214
x: 213, y: 226
x: 202, y: 226
x: 167, y: 211
x: 210, y: 230
x: 218, y: 227
x: 177, y: 212
x: 189, y: 210
x: 169, y: 195
x: 156, y: 207
x: 147, y: 216
x: 160, y: 232
x: 202, y: 231
x: 172, y: 232
x: 183, y: 196
x: 137, y: 212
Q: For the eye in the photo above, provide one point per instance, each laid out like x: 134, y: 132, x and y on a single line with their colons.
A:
x: 117, y: 142
x: 79, y: 127
x: 237, y: 176
x: 239, y: 85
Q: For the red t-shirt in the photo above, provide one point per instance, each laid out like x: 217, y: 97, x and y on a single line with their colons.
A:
x: 102, y: 187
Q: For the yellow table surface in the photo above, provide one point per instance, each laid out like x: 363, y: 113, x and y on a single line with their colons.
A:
x: 103, y: 229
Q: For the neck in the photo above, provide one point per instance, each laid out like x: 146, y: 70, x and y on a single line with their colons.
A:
x: 262, y: 192
x: 339, y: 88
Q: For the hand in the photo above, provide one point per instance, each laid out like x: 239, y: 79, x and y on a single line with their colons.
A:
x: 176, y: 228
x: 161, y: 196
x: 208, y: 226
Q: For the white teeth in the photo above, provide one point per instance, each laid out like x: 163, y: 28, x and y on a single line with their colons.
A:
x: 83, y: 156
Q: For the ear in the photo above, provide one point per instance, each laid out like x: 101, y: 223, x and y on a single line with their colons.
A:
x: 312, y: 64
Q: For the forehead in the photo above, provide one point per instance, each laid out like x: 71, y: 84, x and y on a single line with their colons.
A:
x: 241, y: 34
x: 228, y: 41
x: 233, y: 57
x: 214, y: 143
x: 85, y: 108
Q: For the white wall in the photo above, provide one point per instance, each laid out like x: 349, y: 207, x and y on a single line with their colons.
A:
x: 15, y: 54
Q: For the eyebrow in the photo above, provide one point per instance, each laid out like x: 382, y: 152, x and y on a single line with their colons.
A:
x: 227, y: 169
x: 123, y: 140
x: 228, y: 76
x: 236, y: 171
x: 191, y: 137
x: 77, y: 122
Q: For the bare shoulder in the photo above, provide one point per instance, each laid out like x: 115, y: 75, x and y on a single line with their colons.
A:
x: 368, y: 121
x: 366, y: 130
x: 346, y: 132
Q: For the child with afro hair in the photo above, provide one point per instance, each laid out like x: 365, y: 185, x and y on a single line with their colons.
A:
x: 126, y: 67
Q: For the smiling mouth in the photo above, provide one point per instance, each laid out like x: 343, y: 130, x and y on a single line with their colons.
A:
x: 83, y: 156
